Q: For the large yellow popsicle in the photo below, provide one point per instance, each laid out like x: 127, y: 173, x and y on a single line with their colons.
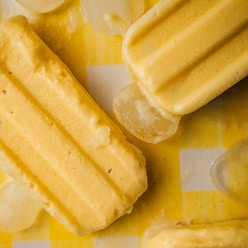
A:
x: 55, y: 139
x: 183, y: 54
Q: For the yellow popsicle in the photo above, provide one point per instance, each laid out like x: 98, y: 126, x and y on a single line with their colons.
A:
x: 218, y: 235
x: 183, y: 54
x: 58, y: 141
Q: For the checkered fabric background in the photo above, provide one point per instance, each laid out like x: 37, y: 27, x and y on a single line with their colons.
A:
x: 180, y: 188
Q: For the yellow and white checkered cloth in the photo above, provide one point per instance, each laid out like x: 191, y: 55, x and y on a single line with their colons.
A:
x: 180, y: 188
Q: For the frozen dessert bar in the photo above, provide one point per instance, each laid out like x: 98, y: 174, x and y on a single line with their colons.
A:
x: 57, y: 141
x: 218, y: 235
x: 182, y: 54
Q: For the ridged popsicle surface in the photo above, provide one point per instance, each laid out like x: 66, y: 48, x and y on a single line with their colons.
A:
x: 57, y: 140
x: 186, y: 53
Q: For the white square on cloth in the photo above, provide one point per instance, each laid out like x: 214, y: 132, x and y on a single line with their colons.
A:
x: 104, y: 81
x: 195, y: 167
x: 32, y: 244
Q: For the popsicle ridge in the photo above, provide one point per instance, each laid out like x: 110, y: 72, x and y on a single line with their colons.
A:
x: 68, y: 98
x: 179, y: 42
x: 29, y: 179
x: 49, y: 151
x: 70, y: 148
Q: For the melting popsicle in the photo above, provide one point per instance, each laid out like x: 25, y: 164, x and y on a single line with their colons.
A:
x: 182, y: 54
x: 57, y: 141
